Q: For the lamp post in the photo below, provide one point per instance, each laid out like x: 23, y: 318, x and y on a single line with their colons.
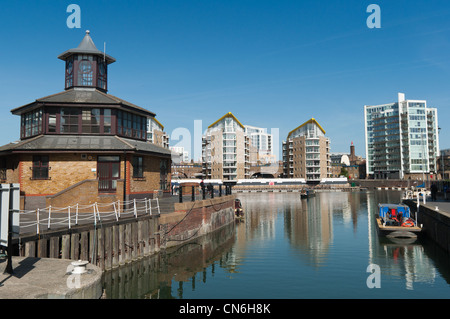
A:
x: 442, y: 158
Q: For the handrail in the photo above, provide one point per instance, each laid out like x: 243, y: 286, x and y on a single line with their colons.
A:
x: 71, y: 215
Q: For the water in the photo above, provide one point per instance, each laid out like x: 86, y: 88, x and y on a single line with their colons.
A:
x: 289, y: 248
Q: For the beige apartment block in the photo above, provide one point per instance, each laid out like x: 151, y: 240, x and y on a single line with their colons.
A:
x: 306, y: 153
x: 226, y: 150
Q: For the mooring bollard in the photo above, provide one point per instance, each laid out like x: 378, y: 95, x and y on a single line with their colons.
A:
x: 79, y: 267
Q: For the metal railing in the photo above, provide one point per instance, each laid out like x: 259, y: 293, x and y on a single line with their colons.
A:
x: 51, y: 217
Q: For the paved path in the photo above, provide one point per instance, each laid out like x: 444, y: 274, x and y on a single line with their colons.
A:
x: 443, y: 205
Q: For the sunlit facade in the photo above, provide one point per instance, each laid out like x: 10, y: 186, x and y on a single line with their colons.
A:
x: 401, y: 139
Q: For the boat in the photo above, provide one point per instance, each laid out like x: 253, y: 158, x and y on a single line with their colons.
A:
x: 307, y: 193
x: 414, y: 193
x: 238, y: 211
x: 395, y: 221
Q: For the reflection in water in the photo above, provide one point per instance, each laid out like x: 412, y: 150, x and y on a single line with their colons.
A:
x: 398, y: 258
x: 152, y: 277
x: 291, y: 248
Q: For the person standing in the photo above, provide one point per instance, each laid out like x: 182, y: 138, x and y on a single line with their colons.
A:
x: 433, y: 192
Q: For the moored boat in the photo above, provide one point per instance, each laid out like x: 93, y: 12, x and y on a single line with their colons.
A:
x: 238, y: 211
x: 395, y: 221
x: 307, y: 193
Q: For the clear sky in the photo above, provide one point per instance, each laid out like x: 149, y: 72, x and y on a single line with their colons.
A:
x: 272, y: 63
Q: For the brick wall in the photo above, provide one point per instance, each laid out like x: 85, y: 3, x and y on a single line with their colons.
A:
x: 65, y: 171
x: 73, y: 179
x: 191, y: 220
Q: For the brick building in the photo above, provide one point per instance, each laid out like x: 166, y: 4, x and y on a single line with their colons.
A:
x: 84, y: 145
x: 351, y: 165
x: 226, y: 150
x: 306, y: 153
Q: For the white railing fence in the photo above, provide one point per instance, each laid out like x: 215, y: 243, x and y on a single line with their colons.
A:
x: 52, y: 217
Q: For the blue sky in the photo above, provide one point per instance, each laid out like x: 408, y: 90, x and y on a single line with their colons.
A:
x: 273, y: 64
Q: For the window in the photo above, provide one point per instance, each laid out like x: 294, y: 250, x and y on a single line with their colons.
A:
x: 131, y: 125
x: 31, y: 123
x: 69, y: 72
x: 101, y: 76
x: 163, y: 174
x: 85, y: 73
x: 90, y: 121
x: 108, y: 172
x: 69, y: 120
x: 81, y: 121
x: 3, y: 169
x: 106, y: 121
x: 40, y: 167
x: 138, y: 167
x: 52, y: 121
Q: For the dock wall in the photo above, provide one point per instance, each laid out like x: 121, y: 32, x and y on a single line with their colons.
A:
x: 113, y: 243
x: 194, y: 219
x: 436, y: 224
x: 107, y: 245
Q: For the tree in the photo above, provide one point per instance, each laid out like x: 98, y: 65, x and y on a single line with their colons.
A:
x: 344, y: 172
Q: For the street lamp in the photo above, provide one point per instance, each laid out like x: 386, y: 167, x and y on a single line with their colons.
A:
x: 442, y: 157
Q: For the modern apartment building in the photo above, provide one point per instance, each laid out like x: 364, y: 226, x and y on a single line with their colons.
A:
x: 306, y: 153
x: 401, y: 139
x: 226, y: 150
x: 156, y: 134
x: 262, y: 142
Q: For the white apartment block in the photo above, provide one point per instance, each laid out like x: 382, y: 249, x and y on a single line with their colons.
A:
x: 262, y: 142
x: 401, y: 139
x: 156, y: 134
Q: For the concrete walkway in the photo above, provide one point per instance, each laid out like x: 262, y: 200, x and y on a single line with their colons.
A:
x: 442, y: 204
x: 47, y: 278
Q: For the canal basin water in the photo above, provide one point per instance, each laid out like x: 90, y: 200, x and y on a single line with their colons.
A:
x: 292, y: 248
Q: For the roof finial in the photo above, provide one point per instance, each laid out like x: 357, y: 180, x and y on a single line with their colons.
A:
x: 87, y: 31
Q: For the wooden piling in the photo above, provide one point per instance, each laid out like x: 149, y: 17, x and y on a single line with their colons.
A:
x: 75, y: 246
x: 108, y: 248
x: 128, y: 244
x: 115, y: 246
x: 65, y: 247
x: 42, y: 248
x: 101, y: 248
x: 84, y: 245
x: 121, y: 244
x: 30, y: 249
x: 54, y: 247
x: 92, y: 246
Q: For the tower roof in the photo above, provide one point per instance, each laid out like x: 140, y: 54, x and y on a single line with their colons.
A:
x: 86, y: 46
x: 229, y: 114
x: 312, y: 121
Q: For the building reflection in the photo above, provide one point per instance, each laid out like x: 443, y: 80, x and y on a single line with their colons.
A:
x: 309, y: 228
x: 168, y: 273
x: 313, y: 229
x: 403, y: 259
